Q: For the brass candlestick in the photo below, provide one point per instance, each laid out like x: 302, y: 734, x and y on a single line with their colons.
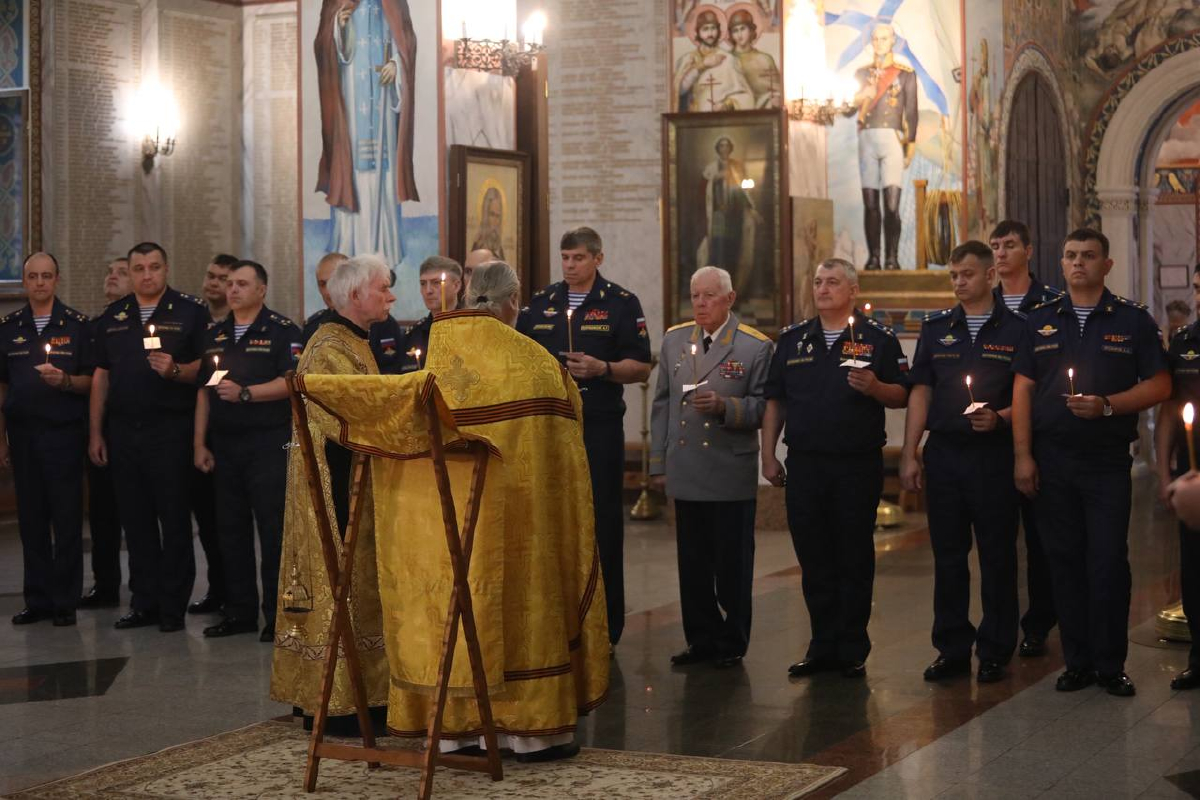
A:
x: 646, y: 506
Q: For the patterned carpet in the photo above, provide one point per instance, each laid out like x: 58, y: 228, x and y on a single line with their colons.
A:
x: 267, y: 760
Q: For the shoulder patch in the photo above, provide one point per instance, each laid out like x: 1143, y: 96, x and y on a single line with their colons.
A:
x: 945, y: 312
x: 687, y: 324
x: 757, y: 334
x: 880, y: 326
x: 1125, y: 301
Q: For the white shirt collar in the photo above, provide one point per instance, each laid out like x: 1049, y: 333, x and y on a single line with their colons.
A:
x: 715, y: 334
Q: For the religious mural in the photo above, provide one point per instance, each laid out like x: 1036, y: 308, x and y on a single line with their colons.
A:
x: 12, y: 39
x: 726, y: 55
x: 370, y: 136
x: 985, y: 86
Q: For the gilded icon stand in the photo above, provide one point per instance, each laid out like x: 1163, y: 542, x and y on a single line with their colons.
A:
x: 341, y: 626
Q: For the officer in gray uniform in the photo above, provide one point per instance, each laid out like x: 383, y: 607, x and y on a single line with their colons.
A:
x: 708, y: 405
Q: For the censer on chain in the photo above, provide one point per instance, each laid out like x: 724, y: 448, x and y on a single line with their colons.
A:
x: 297, y: 602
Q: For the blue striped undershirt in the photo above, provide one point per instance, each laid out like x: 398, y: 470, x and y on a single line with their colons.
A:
x: 975, y: 323
x: 41, y: 322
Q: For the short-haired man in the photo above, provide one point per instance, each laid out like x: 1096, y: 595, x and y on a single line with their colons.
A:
x: 434, y: 271
x: 144, y: 389
x: 708, y: 404
x: 385, y: 335
x: 1089, y: 363
x: 245, y: 418
x: 45, y: 364
x: 1020, y: 291
x: 607, y: 348
x: 829, y: 383
x: 964, y: 354
x: 1178, y: 314
x: 104, y: 522
x: 216, y: 276
x: 474, y: 259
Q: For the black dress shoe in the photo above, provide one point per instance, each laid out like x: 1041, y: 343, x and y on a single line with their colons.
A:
x: 854, y: 669
x: 1033, y: 646
x: 990, y: 671
x: 891, y: 263
x: 206, y: 605
x: 1075, y: 679
x: 64, y: 618
x: 28, y: 616
x: 1188, y: 679
x: 811, y: 666
x: 268, y: 633
x: 943, y: 668
x: 171, y: 625
x: 872, y: 263
x: 555, y: 753
x: 230, y: 626
x: 137, y: 619
x: 727, y: 662
x: 1117, y: 684
x: 692, y: 655
x: 96, y: 598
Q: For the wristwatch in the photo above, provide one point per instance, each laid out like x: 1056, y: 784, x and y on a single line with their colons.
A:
x: 1108, y: 412
x: 174, y: 371
x: 244, y: 394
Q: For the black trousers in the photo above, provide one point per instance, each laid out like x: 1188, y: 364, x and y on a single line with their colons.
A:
x: 48, y: 476
x: 604, y: 439
x: 204, y: 497
x: 152, y: 470
x: 1189, y: 580
x: 715, y: 545
x: 1040, y: 616
x: 831, y: 505
x: 970, y: 487
x: 105, y: 524
x: 1083, y: 508
x: 251, y: 478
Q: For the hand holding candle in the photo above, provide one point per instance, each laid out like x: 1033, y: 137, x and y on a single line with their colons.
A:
x: 151, y: 342
x: 1189, y: 416
x: 218, y: 374
x: 970, y: 394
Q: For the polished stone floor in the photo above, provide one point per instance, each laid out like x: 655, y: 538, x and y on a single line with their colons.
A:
x: 75, y: 698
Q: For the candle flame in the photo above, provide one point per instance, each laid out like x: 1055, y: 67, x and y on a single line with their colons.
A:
x: 693, y: 349
x: 443, y: 277
x: 850, y: 321
x: 418, y: 354
x: 867, y: 307
x: 570, y: 311
x: 1189, y: 414
x: 1071, y: 372
x: 151, y: 330
x: 968, y: 380
x: 216, y: 361
x: 48, y: 353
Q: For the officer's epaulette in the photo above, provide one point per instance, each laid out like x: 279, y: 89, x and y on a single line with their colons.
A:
x: 1049, y: 302
x: 935, y: 315
x: 687, y: 324
x: 541, y: 292
x: 193, y: 298
x: 1125, y: 301
x: 757, y: 334
x: 10, y: 316
x: 880, y: 326
x: 795, y: 325
x: 282, y: 320
x: 1052, y: 291
x: 75, y: 315
x: 316, y: 315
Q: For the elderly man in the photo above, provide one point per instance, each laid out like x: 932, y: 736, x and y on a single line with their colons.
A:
x: 708, y: 403
x: 385, y: 336
x: 360, y: 293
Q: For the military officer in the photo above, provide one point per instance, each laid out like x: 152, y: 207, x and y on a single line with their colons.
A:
x: 608, y: 346
x: 967, y: 466
x: 1171, y: 449
x: 416, y: 339
x: 1020, y: 291
x: 44, y: 381
x: 474, y: 259
x: 247, y: 418
x: 886, y: 107
x: 386, y: 337
x: 1071, y: 436
x: 144, y: 389
x: 708, y: 403
x: 830, y: 383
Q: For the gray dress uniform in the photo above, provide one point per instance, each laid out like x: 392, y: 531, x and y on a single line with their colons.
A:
x: 711, y: 468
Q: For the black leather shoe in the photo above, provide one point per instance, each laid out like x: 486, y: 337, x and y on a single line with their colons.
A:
x: 28, y: 616
x: 692, y: 655
x: 206, y: 605
x: 137, y: 619
x: 1188, y: 679
x: 555, y: 753
x: 1075, y: 679
x: 171, y: 625
x: 891, y: 263
x: 943, y: 668
x: 990, y: 672
x: 268, y: 634
x: 98, y: 599
x: 727, y: 662
x: 1117, y: 684
x: 1033, y: 646
x: 230, y: 626
x: 811, y: 666
x: 854, y: 669
x: 64, y: 618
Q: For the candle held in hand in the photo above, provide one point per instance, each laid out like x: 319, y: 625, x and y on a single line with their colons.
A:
x: 1071, y: 381
x: 570, y: 341
x: 47, y: 354
x: 969, y: 392
x: 1189, y: 416
x: 443, y: 286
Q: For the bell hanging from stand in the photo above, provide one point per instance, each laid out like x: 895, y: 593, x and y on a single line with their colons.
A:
x: 297, y: 603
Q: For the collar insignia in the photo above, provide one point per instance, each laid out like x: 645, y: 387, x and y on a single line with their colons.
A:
x: 1047, y: 330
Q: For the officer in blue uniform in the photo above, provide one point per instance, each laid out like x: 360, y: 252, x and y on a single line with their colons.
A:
x: 968, y: 462
x: 147, y: 395
x: 835, y: 435
x: 247, y: 417
x: 1171, y: 448
x: 1071, y: 441
x: 608, y: 347
x: 44, y: 380
x: 1020, y: 291
x: 416, y: 339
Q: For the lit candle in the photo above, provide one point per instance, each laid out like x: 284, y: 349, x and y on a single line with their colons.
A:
x: 867, y: 308
x: 1071, y: 381
x: 853, y: 349
x: 47, y: 354
x: 1189, y: 415
x: 443, y: 293
x: 570, y: 342
x: 969, y: 392
x: 151, y: 330
x: 695, y: 374
x: 417, y: 356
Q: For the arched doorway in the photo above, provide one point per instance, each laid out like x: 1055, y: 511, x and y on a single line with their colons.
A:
x: 1036, y: 173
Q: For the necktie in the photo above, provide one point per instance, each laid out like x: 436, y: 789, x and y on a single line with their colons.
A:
x: 707, y: 343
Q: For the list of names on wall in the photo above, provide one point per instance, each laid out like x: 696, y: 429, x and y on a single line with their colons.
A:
x: 92, y: 200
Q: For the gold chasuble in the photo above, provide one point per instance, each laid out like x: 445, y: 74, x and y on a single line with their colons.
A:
x: 298, y: 662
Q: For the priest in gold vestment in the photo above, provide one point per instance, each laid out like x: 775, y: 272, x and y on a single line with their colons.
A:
x: 361, y: 295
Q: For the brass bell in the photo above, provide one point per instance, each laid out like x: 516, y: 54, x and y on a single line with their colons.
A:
x: 297, y: 603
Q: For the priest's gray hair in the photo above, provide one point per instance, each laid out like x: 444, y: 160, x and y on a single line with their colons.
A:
x: 842, y: 264
x: 492, y: 283
x: 723, y: 279
x: 355, y: 273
